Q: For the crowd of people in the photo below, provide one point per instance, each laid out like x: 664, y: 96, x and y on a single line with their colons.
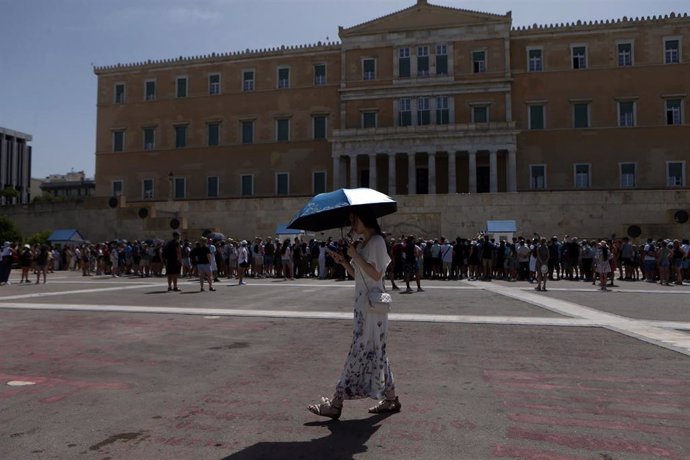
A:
x: 535, y: 260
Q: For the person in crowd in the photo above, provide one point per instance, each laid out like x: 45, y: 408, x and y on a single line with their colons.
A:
x: 411, y: 255
x: 286, y: 258
x: 242, y: 262
x: 367, y: 371
x: 202, y: 255
x: 26, y: 258
x: 602, y: 260
x: 664, y: 263
x: 42, y: 261
x: 172, y: 257
x: 542, y: 252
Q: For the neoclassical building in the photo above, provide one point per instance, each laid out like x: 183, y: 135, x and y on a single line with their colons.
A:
x: 15, y: 166
x: 426, y: 100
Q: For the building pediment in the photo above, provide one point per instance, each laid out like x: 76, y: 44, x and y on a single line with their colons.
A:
x: 422, y: 16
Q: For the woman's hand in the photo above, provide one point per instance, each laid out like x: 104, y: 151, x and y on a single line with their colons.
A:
x: 352, y: 251
x: 337, y: 257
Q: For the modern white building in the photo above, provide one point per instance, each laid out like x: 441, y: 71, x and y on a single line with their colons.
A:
x: 15, y: 166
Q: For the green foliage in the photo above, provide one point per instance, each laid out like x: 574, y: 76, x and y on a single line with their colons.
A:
x: 9, y: 192
x: 39, y: 238
x: 9, y: 231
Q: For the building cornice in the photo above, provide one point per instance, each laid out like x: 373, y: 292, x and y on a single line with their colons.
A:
x: 597, y: 25
x: 215, y: 58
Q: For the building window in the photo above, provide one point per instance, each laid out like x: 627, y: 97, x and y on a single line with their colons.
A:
x: 150, y: 90
x: 404, y: 112
x: 537, y: 177
x: 479, y: 61
x: 282, y: 183
x: 119, y: 141
x: 283, y: 77
x: 214, y: 84
x: 319, y: 126
x: 480, y: 114
x: 247, y: 185
x: 181, y: 84
x: 536, y: 116
x: 442, y: 110
x: 404, y: 62
x: 674, y: 114
x: 283, y: 129
x: 120, y: 93
x: 149, y: 138
x: 582, y: 176
x: 442, y: 59
x: 423, y: 111
x: 579, y: 56
x: 671, y: 51
x: 368, y: 119
x: 534, y: 59
x: 626, y: 113
x: 248, y: 80
x: 627, y: 175
x: 147, y: 189
x: 675, y: 173
x: 625, y: 55
x: 319, y: 74
x: 118, y: 187
x: 368, y: 69
x: 319, y: 182
x: 423, y: 61
x: 212, y: 187
x: 581, y: 115
x: 180, y: 187
x: 180, y: 136
x: 213, y: 134
x: 247, y: 131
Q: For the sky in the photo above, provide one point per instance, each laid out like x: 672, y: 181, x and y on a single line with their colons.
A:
x: 48, y: 48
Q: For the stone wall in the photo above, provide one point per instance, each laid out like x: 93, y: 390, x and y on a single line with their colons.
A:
x: 584, y: 214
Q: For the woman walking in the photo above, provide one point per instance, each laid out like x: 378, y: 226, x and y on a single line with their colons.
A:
x: 603, y: 264
x: 367, y: 372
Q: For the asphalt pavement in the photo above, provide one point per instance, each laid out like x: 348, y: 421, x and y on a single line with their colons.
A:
x: 120, y: 368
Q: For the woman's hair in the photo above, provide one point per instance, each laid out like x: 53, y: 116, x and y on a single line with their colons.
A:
x: 368, y: 220
x: 605, y: 251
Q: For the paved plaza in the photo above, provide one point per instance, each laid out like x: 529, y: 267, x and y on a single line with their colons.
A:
x: 115, y: 368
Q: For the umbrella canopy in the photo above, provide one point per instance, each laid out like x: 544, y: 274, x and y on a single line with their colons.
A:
x: 332, y: 209
x: 215, y: 236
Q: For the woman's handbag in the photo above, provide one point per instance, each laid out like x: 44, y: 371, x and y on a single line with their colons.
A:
x: 379, y: 300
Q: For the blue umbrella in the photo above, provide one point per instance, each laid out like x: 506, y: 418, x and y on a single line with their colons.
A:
x: 332, y: 209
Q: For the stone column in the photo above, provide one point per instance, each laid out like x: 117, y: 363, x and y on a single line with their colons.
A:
x: 411, y: 174
x: 353, y: 171
x: 372, y: 171
x: 391, y: 174
x: 336, y: 173
x: 452, y: 180
x: 511, y: 170
x: 432, y: 173
x: 493, y: 171
x: 472, y: 172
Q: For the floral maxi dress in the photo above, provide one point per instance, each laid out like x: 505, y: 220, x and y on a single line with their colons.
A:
x: 367, y: 372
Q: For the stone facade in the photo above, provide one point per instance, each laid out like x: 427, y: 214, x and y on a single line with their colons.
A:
x: 582, y: 213
x: 426, y: 100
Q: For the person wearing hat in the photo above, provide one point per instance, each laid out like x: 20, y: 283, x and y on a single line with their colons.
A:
x: 172, y: 256
x: 25, y: 260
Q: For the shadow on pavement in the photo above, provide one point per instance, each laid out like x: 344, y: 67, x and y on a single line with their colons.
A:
x: 347, y: 439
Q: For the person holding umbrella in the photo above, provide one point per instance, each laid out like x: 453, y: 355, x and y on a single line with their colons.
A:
x: 367, y: 371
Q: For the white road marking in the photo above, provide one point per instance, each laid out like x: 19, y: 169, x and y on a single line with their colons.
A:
x: 640, y: 329
x: 79, y: 291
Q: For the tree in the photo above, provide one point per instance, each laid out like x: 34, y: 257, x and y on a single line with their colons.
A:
x: 9, y: 231
x: 39, y: 238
